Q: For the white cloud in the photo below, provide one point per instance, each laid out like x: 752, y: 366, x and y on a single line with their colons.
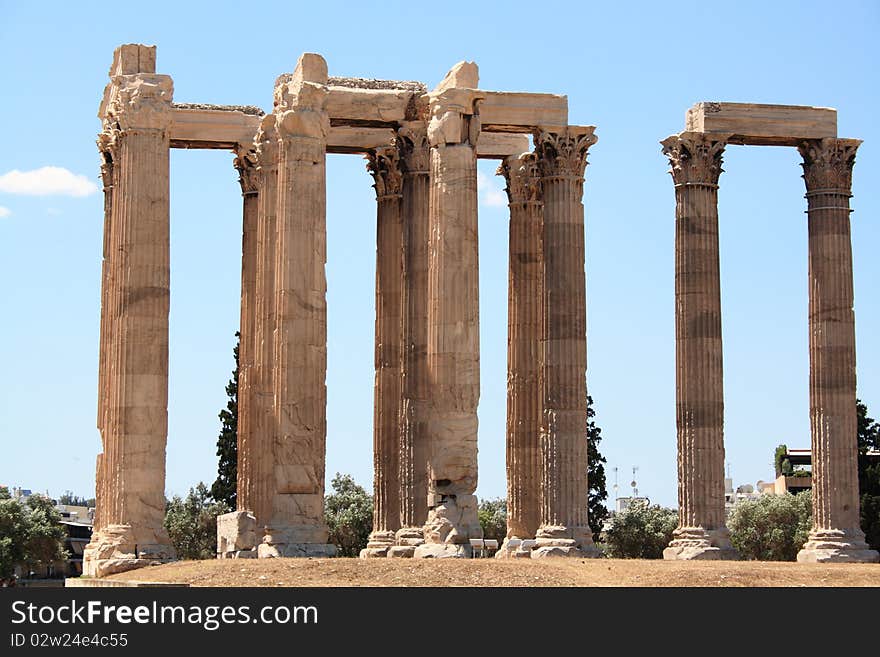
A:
x: 491, y: 193
x: 5, y: 212
x: 46, y: 181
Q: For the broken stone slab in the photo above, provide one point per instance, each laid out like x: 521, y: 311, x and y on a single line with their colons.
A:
x: 443, y: 551
x: 401, y: 552
x: 236, y: 532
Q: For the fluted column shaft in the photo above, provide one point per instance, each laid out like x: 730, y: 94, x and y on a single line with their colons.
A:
x: 384, y: 165
x: 245, y: 164
x: 564, y: 524
x: 696, y: 166
x: 413, y: 434
x: 836, y: 534
x: 453, y: 326
x: 296, y: 525
x: 256, y: 481
x: 524, y: 344
x: 133, y: 392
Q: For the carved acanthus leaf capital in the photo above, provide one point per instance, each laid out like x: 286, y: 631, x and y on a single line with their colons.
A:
x: 384, y: 165
x: 415, y: 149
x: 828, y: 163
x: 563, y: 154
x: 695, y: 157
x: 141, y: 102
x: 246, y: 164
x: 523, y: 176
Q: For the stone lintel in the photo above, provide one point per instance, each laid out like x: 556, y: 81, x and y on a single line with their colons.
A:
x: 756, y: 124
x: 498, y: 145
x: 373, y: 107
x: 198, y: 126
x: 513, y: 111
x: 212, y: 128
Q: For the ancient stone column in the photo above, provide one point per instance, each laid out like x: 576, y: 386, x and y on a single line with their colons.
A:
x: 384, y: 165
x: 238, y: 532
x: 836, y: 534
x: 415, y: 155
x: 296, y: 523
x: 525, y: 289
x: 696, y: 166
x: 249, y: 179
x: 133, y: 399
x: 256, y: 482
x: 453, y: 318
x: 564, y: 529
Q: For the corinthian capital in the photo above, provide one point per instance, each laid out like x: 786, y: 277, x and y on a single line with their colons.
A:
x: 415, y: 149
x: 140, y: 102
x: 523, y: 176
x: 563, y: 154
x: 384, y: 165
x: 695, y: 157
x: 245, y: 163
x: 828, y: 163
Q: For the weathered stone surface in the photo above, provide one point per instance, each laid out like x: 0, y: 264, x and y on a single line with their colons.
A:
x: 133, y: 382
x: 443, y: 551
x: 696, y: 165
x: 761, y: 124
x: 412, y: 140
x: 236, y: 532
x: 453, y: 316
x: 525, y: 312
x: 562, y: 158
x: 300, y: 332
x: 836, y: 535
x: 384, y: 165
x: 401, y: 551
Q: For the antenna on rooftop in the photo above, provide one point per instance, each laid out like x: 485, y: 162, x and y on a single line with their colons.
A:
x: 615, y: 482
x: 633, y: 482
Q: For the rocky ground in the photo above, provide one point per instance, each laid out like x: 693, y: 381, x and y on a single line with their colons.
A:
x: 492, y: 572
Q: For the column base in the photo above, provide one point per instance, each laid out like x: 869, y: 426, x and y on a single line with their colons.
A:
x: 377, y: 545
x: 837, y: 546
x: 561, y: 541
x: 513, y: 548
x: 449, y: 528
x: 698, y: 544
x: 407, y: 539
x: 297, y: 542
x: 114, y: 549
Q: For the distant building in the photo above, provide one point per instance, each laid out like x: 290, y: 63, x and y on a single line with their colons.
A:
x: 623, y: 503
x: 740, y: 493
x: 801, y: 480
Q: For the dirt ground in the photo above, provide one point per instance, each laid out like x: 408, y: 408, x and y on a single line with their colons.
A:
x: 493, y: 572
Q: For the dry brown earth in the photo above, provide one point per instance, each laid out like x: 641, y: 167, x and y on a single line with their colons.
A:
x: 491, y: 572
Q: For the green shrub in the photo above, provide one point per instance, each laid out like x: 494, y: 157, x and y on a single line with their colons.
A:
x: 771, y: 528
x: 640, y: 531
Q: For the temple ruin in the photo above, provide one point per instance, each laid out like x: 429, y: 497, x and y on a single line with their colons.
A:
x: 421, y: 148
x: 695, y: 156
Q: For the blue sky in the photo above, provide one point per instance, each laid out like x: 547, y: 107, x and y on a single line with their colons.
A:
x: 631, y: 69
